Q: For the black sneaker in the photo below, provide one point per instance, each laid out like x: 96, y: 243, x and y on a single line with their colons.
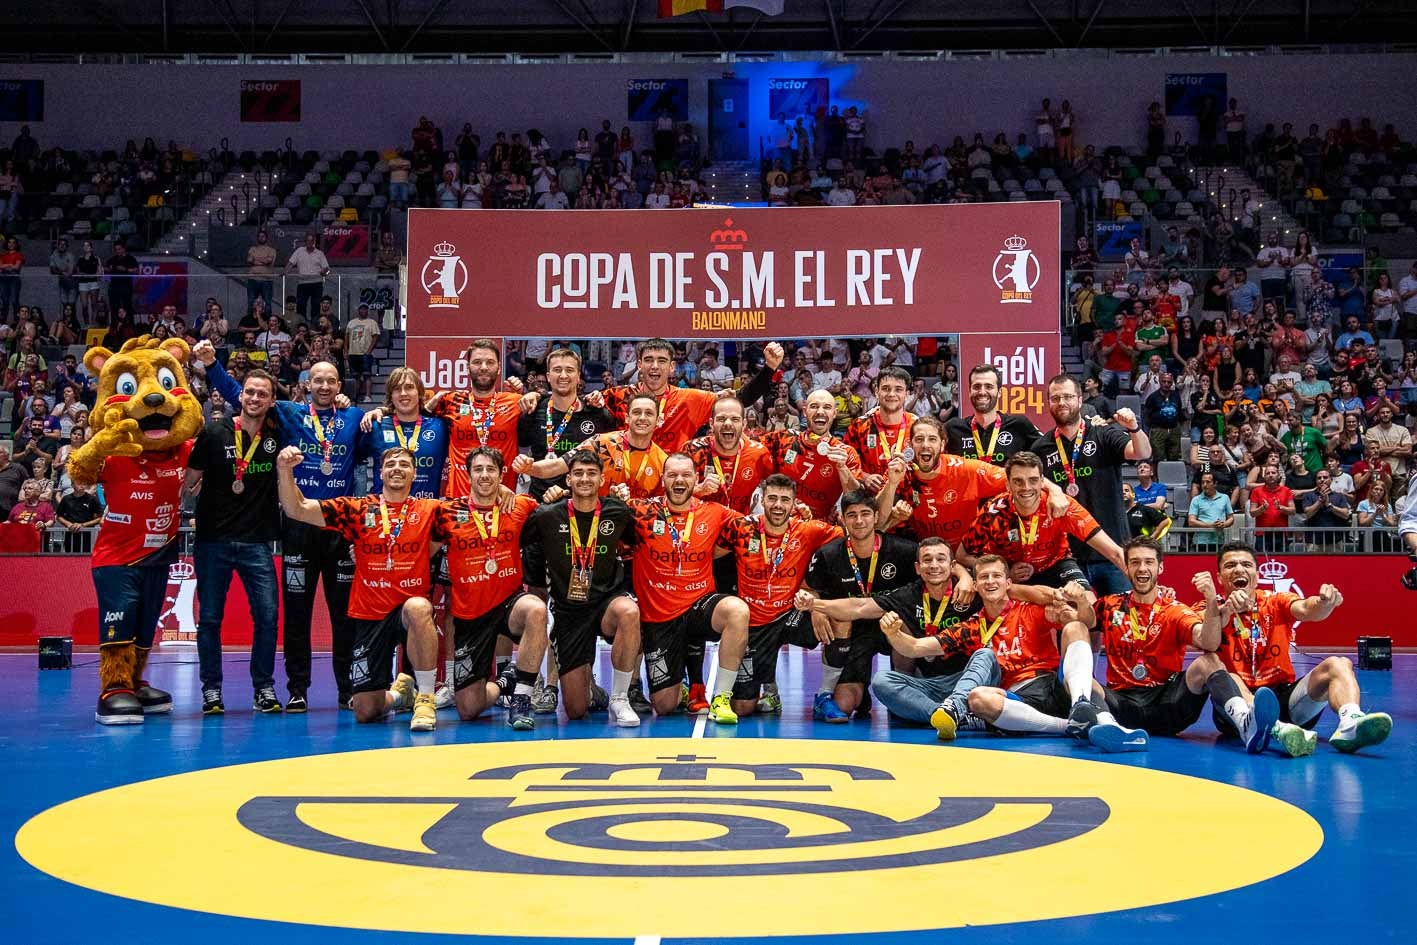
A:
x: 519, y: 713
x: 863, y: 709
x: 638, y: 702
x: 346, y: 701
x: 211, y: 702
x: 265, y: 701
x: 507, y: 682
x: 297, y: 703
x: 154, y: 701
x: 1081, y: 717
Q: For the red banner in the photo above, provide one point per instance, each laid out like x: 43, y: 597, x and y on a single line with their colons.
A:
x: 734, y: 273
x: 1372, y: 603
x: 346, y: 244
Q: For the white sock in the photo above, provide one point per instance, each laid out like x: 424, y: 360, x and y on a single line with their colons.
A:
x: 424, y: 679
x: 1106, y: 718
x: 448, y: 672
x: 723, y: 680
x: 523, y: 689
x: 619, y: 684
x: 1020, y: 717
x: 1239, y: 711
x: 1347, y: 711
x: 1077, y: 670
x: 830, y: 676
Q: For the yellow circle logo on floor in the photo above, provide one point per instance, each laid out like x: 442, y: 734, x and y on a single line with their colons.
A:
x: 620, y: 838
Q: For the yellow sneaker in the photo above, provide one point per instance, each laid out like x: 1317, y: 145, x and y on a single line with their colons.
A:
x: 425, y: 713
x: 721, y: 711
x: 404, y: 692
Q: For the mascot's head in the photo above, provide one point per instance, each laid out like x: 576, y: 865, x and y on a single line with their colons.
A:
x: 145, y: 382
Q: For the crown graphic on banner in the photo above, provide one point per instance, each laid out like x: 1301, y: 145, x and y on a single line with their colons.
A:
x: 445, y: 249
x: 181, y: 571
x: 729, y: 237
x: 1015, y: 243
x: 1274, y: 571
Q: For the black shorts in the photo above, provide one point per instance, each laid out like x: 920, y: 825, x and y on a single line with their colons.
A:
x: 375, y: 641
x: 475, y: 641
x: 1283, y: 692
x: 575, y: 629
x: 666, y: 644
x: 855, y: 654
x: 1167, y: 709
x: 438, y: 567
x: 360, y: 365
x: 759, y: 665
x: 1045, y: 693
x: 725, y: 574
x: 1059, y: 573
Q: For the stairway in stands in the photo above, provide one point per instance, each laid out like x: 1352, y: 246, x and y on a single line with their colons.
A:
x: 189, y: 236
x: 733, y: 182
x: 1225, y: 183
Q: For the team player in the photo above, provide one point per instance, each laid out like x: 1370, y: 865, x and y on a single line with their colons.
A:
x: 1017, y: 527
x: 772, y: 551
x: 943, y: 491
x: 1084, y: 456
x: 485, y: 572
x: 1256, y: 632
x: 328, y: 436
x: 481, y: 416
x: 402, y: 421
x: 857, y: 564
x: 392, y: 536
x: 730, y: 465
x: 580, y: 541
x: 990, y: 435
x: 884, y: 430
x: 630, y: 456
x: 1026, y: 636
x: 682, y: 411
x: 559, y: 423
x: 676, y: 537
x: 821, y: 464
x: 924, y: 608
x: 1145, y: 637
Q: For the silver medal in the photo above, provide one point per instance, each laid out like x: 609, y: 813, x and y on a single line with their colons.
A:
x: 1139, y: 672
x: 490, y: 567
x: 823, y: 447
x: 907, y: 454
x: 237, y: 486
x: 1072, y: 489
x: 327, y: 467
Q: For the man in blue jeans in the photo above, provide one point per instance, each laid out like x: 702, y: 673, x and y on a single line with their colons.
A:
x: 232, y: 470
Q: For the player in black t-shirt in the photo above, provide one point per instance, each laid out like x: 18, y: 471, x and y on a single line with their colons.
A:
x: 989, y: 435
x: 862, y: 562
x: 585, y: 586
x: 233, y: 464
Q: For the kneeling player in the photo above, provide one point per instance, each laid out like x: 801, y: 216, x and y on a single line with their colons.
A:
x: 772, y: 553
x: 1145, y: 637
x: 1026, y: 636
x: 485, y: 569
x: 391, y: 536
x: 579, y: 540
x: 1254, y: 647
x: 676, y: 538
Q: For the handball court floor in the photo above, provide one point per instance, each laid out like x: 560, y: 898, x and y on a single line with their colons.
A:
x: 1352, y: 889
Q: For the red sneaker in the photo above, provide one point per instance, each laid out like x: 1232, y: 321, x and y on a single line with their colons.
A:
x: 695, y: 703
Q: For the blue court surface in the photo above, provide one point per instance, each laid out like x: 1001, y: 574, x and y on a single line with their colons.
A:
x: 678, y: 831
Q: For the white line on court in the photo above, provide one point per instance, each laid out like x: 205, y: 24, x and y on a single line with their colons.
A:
x: 710, y: 654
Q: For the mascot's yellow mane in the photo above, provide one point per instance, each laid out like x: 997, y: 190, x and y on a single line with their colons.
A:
x: 143, y: 403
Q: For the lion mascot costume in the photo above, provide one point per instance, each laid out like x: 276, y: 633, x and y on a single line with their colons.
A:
x: 142, y: 424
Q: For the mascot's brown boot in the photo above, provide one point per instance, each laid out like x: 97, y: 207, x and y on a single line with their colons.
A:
x: 154, y: 700
x: 117, y: 703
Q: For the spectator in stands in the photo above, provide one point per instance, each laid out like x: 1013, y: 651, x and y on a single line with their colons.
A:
x: 1376, y: 512
x: 122, y: 272
x: 1394, y: 444
x: 260, y: 268
x: 1317, y: 295
x: 1211, y: 511
x: 1094, y: 401
x: 553, y: 199
x: 1407, y: 294
x: 62, y: 266
x: 310, y: 267
x: 1149, y: 492
x: 1353, y: 331
x: 1164, y: 415
x: 88, y: 268
x: 1306, y: 441
x: 10, y: 190
x: 32, y: 509
x: 1342, y: 481
x: 12, y: 263
x: 1271, y: 504
x: 1324, y: 508
x: 399, y: 170
x: 1384, y: 318
x: 13, y: 475
x: 78, y: 510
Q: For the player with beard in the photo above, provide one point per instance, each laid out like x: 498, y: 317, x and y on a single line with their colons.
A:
x: 1145, y: 637
x: 328, y: 436
x: 1256, y: 632
x: 1026, y: 627
x: 925, y: 608
x: 676, y: 537
x: 1016, y: 527
x: 772, y: 551
x: 944, y: 492
x: 587, y: 597
x: 730, y: 464
x: 989, y: 435
x: 484, y: 567
x: 861, y: 562
x: 630, y: 456
x: 821, y: 464
x: 682, y: 411
x: 883, y: 431
x: 1084, y: 458
x: 482, y: 416
x: 561, y: 421
x: 391, y: 538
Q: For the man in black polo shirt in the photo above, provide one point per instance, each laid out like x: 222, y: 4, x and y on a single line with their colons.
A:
x: 990, y: 435
x: 233, y: 466
x: 1083, y: 456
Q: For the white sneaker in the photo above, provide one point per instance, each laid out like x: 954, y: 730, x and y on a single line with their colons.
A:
x: 621, y: 713
x: 443, y: 696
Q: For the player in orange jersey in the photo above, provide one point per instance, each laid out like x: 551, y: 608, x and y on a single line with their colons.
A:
x: 630, y: 456
x: 883, y: 431
x: 481, y: 416
x: 822, y: 465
